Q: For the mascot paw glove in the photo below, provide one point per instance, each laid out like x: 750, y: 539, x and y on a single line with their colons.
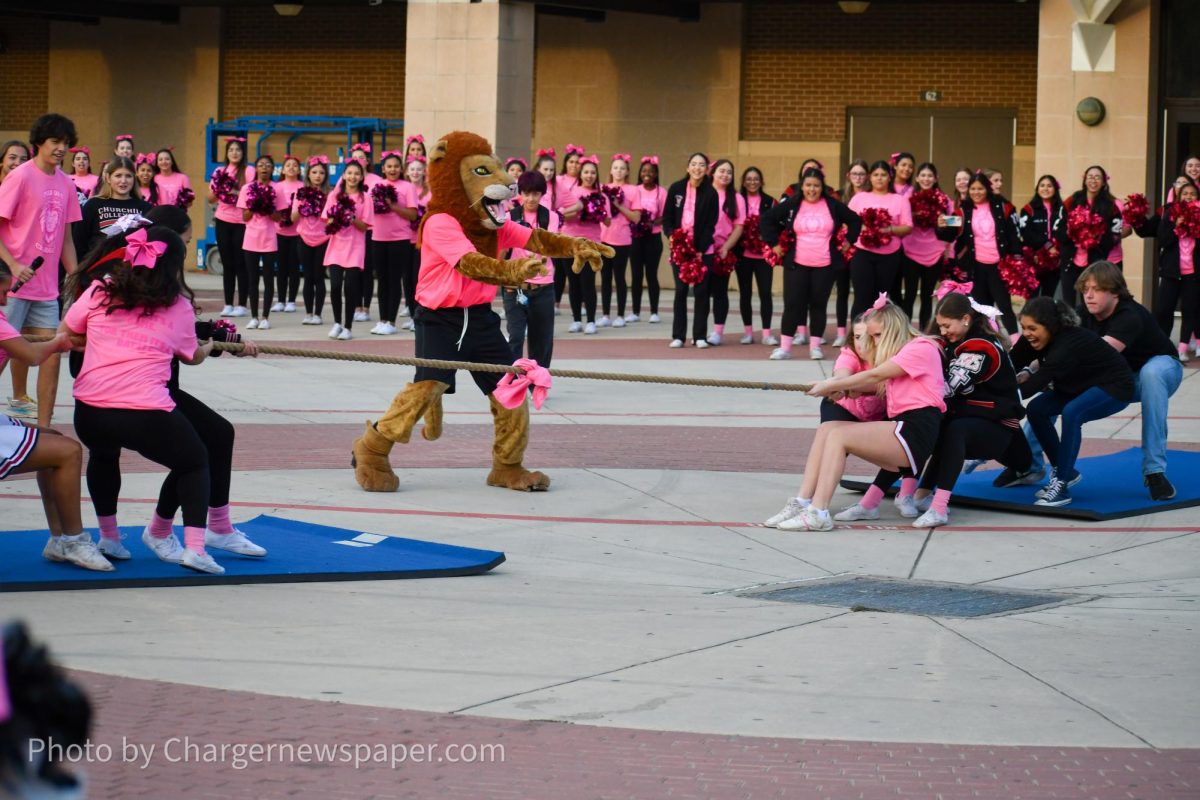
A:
x: 588, y: 252
x: 533, y: 267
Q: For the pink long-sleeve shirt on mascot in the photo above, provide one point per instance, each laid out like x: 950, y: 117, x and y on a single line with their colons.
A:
x: 348, y: 247
x: 229, y: 212
x: 922, y: 383
x: 898, y: 209
x: 866, y: 407
x: 127, y: 363
x: 36, y: 210
x: 443, y: 244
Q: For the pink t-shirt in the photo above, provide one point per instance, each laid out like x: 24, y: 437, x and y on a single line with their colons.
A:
x: 896, y: 206
x: 260, y: 229
x: 653, y: 200
x: 576, y: 227
x: 813, y: 225
x: 983, y: 225
x: 127, y: 362
x: 563, y: 186
x: 310, y: 229
x: 1187, y: 255
x: 865, y: 407
x: 725, y: 225
x: 287, y: 189
x: 7, y: 332
x: 86, y: 183
x: 390, y: 226
x: 348, y: 247
x: 520, y: 252
x: 687, y: 217
x: 443, y: 244
x: 618, y: 230
x: 904, y: 190
x: 36, y: 212
x: 229, y: 212
x: 923, y: 246
x: 169, y: 186
x: 922, y: 384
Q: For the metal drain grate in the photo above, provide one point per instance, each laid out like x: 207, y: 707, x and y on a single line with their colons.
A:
x: 899, y: 596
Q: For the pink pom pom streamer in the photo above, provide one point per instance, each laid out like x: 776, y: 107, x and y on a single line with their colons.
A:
x: 875, y: 221
x: 185, y: 198
x: 383, y: 196
x: 684, y: 256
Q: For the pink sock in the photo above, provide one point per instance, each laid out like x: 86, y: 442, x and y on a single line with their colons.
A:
x: 748, y: 330
x: 872, y: 498
x: 785, y: 343
x: 842, y: 331
x: 815, y: 341
x: 908, y: 487
x: 1183, y: 348
x: 218, y: 519
x: 193, y: 539
x: 802, y: 330
x: 160, y: 528
x: 941, y: 499
x: 720, y: 329
x: 108, y: 528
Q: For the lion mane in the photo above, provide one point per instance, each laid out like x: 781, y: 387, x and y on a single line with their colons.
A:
x: 449, y: 196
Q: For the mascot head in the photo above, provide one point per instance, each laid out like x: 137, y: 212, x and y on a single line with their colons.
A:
x: 467, y: 181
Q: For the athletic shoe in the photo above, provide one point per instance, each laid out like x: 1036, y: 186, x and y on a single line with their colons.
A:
x: 676, y: 343
x: 227, y: 311
x: 779, y: 354
x: 53, y: 551
x: 404, y: 311
x: 907, y: 506
x: 362, y: 316
x: 278, y: 306
x: 409, y: 326
x: 252, y: 324
x: 815, y: 353
x: 1056, y: 493
x: 931, y: 519
x: 972, y: 464
x: 264, y: 325
x: 792, y: 509
x: 345, y: 335
x: 235, y: 542
x: 307, y: 320
x: 856, y: 512
x: 289, y: 308
x: 590, y: 328
x: 701, y: 344
x: 714, y: 338
x: 1040, y: 493
x: 84, y: 553
x: 114, y: 549
x: 23, y: 406
x: 576, y: 327
x: 801, y: 339
x: 632, y: 318
x: 240, y: 311
x: 840, y: 341
x: 654, y: 318
x: 335, y: 331
x: 1010, y: 477
x: 618, y: 322
x: 1160, y: 487
x: 388, y: 329
x: 769, y: 340
x: 167, y: 549
x: 603, y: 322
x: 1184, y: 353
x: 557, y: 311
x: 316, y: 320
x: 924, y: 503
x: 378, y: 329
x: 201, y: 562
x: 808, y: 520
x: 747, y: 339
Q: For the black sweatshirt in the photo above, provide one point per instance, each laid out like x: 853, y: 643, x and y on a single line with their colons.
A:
x: 1075, y: 360
x: 707, y: 208
x: 782, y: 216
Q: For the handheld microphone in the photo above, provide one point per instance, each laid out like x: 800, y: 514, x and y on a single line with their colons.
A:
x: 37, y: 262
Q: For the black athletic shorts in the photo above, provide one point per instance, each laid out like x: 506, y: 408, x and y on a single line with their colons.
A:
x: 461, y: 334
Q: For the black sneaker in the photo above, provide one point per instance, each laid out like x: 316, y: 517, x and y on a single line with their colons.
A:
x: 1010, y: 477
x: 1055, y: 494
x: 1160, y: 487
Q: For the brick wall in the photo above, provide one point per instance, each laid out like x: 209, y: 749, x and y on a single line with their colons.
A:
x: 977, y: 55
x: 344, y: 61
x: 25, y: 86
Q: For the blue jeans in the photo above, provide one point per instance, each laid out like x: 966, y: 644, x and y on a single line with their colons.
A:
x: 1157, y: 380
x: 1092, y: 405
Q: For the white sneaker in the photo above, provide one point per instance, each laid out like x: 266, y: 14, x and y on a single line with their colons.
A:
x: 654, y: 318
x: 632, y: 318
x: 388, y: 329
x: 618, y: 322
x: 227, y: 311
x: 856, y: 512
x: 769, y: 340
x: 114, y: 549
x: 924, y: 503
x: 815, y: 353
x: 840, y: 341
x: 810, y: 519
x: 409, y: 326
x: 235, y: 542
x: 289, y: 308
x: 168, y: 549
x: 84, y: 553
x: 714, y: 338
x: 701, y: 344
x: 53, y: 551
x: 748, y: 338
x: 792, y: 509
x: 278, y: 306
x: 931, y: 519
x: 603, y: 322
x: 676, y: 343
x: 252, y: 324
x: 576, y: 327
x: 201, y: 562
x: 316, y: 320
x: 801, y: 339
x: 404, y: 311
x: 240, y: 311
x: 590, y: 328
x: 378, y: 329
x: 779, y: 354
x: 335, y: 331
x: 907, y: 506
x: 264, y: 325
x: 362, y: 316
x: 345, y: 335
x: 557, y: 311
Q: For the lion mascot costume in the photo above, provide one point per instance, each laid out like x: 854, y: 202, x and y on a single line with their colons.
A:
x: 465, y: 229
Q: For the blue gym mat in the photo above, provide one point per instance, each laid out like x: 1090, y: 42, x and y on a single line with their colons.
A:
x: 1111, y: 488
x: 296, y: 552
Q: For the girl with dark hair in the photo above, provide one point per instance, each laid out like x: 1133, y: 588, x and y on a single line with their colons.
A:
x: 568, y: 177
x: 725, y: 237
x: 529, y: 308
x: 261, y: 204
x: 361, y: 152
x: 515, y: 167
x: 287, y: 267
x: 903, y: 166
x: 1037, y: 222
x: 1177, y: 269
x: 924, y: 252
x: 618, y: 234
x: 113, y: 200
x: 168, y: 180
x: 1096, y: 195
x: 392, y: 234
x: 857, y: 180
x: 81, y: 171
x: 144, y: 171
x: 349, y: 213
x: 1190, y: 168
x: 815, y: 217
x: 13, y: 154
x: 414, y: 146
x: 581, y: 287
x: 646, y: 250
x: 307, y: 208
x: 752, y: 265
x: 548, y: 168
x: 875, y: 265
x: 1081, y: 378
x: 692, y: 207
x: 988, y: 233
x: 230, y: 228
x: 123, y: 146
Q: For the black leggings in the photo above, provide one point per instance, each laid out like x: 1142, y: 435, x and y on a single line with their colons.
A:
x: 366, y: 285
x: 581, y: 289
x: 751, y: 271
x: 392, y: 261
x: 1048, y: 283
x: 233, y: 268
x: 973, y: 437
x: 990, y: 290
x: 841, y: 276
x: 1174, y: 292
x: 164, y: 437
x: 287, y: 269
x: 562, y: 268
x: 261, y: 265
x: 614, y: 268
x: 700, y: 319
x: 872, y: 273
x: 718, y: 290
x: 312, y: 260
x: 918, y: 282
x: 350, y: 280
x: 217, y: 434
x: 806, y: 294
x: 644, y: 255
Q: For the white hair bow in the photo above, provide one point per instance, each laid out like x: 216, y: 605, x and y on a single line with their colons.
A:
x: 127, y: 223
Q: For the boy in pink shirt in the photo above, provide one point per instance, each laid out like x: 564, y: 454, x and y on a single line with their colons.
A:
x: 529, y: 308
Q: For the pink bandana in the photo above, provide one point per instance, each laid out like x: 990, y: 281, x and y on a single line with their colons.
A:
x: 510, y: 392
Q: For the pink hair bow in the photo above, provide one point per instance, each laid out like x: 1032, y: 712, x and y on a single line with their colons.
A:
x: 81, y: 149
x: 575, y: 150
x: 548, y: 151
x: 422, y: 159
x: 650, y: 160
x: 386, y: 154
x: 144, y: 158
x: 363, y: 146
x: 124, y: 137
x: 314, y: 160
x: 416, y: 137
x: 878, y: 305
x: 511, y: 390
x: 589, y: 160
x: 141, y: 253
x: 516, y: 160
x: 622, y: 156
x: 238, y: 139
x: 950, y: 286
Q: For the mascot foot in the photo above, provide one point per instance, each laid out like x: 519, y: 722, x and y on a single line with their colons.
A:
x: 372, y: 469
x: 512, y: 437
x: 518, y: 478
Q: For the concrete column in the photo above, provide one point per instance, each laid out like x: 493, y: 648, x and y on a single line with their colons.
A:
x: 469, y: 66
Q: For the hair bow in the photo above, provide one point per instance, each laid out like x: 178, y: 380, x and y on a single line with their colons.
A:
x: 991, y: 312
x: 386, y: 154
x: 238, y: 139
x: 516, y: 160
x: 878, y: 305
x: 589, y: 160
x: 127, y: 223
x: 622, y: 157
x: 650, y: 160
x: 363, y: 146
x: 81, y: 149
x: 575, y: 150
x: 422, y: 159
x: 416, y: 137
x: 894, y: 157
x: 322, y: 160
x: 144, y: 158
x: 353, y: 159
x: 142, y: 253
x: 548, y: 151
x: 124, y: 137
x: 950, y: 286
x: 290, y: 157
